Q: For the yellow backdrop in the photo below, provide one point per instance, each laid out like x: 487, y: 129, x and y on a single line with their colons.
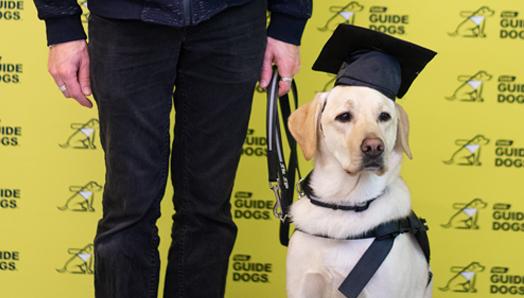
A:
x: 467, y: 139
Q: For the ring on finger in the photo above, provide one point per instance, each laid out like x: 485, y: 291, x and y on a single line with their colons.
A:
x: 286, y: 79
x: 62, y: 87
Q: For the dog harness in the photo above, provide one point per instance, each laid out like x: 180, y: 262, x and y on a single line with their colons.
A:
x: 379, y: 249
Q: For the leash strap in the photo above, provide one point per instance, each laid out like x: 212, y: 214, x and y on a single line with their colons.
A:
x: 281, y: 178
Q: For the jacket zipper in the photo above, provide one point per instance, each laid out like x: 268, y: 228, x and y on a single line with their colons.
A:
x: 187, y: 12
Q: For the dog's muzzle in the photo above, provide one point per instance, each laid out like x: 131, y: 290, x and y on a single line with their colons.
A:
x: 372, y: 151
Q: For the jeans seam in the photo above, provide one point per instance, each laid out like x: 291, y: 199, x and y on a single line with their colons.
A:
x: 153, y: 286
x: 183, y: 192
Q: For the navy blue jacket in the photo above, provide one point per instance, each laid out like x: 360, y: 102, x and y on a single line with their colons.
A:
x: 63, y: 23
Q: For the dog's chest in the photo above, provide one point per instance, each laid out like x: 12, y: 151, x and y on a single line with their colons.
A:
x: 335, y: 257
x: 334, y: 260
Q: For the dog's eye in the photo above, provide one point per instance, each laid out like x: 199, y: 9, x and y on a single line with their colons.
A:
x: 383, y: 117
x: 344, y: 117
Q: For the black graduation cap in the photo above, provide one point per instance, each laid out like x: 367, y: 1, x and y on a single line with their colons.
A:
x: 363, y: 57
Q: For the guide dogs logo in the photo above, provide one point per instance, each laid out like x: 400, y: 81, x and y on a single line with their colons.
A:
x: 502, y: 282
x: 467, y: 215
x: 10, y: 73
x: 9, y: 198
x: 471, y: 87
x: 474, y: 23
x: 9, y: 260
x: 84, y: 135
x: 510, y: 90
x: 82, y: 198
x: 80, y: 261
x: 511, y: 26
x: 10, y: 135
x: 468, y: 153
x: 246, y: 270
x: 342, y: 14
x: 508, y: 155
x: 11, y: 10
x: 464, y: 278
x: 383, y: 21
x: 246, y: 207
x: 254, y: 145
x: 507, y: 220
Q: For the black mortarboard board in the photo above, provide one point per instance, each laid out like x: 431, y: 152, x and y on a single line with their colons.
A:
x: 363, y: 57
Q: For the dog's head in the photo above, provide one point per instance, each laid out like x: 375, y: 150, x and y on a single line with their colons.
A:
x: 483, y: 76
x: 478, y: 203
x: 480, y: 139
x: 93, y: 186
x: 358, y: 126
x: 485, y: 11
x: 476, y: 267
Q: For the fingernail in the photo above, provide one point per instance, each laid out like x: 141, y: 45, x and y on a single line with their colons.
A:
x: 86, y: 91
x: 263, y: 84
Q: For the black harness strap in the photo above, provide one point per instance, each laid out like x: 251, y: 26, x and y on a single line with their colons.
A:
x: 366, y: 267
x: 379, y: 249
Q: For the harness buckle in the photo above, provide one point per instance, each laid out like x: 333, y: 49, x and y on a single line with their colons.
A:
x: 417, y: 224
x: 277, y: 208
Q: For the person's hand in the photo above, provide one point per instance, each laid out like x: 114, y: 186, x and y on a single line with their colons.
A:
x: 286, y: 57
x: 68, y: 64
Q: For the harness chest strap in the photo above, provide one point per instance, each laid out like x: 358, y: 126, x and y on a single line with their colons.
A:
x: 379, y: 249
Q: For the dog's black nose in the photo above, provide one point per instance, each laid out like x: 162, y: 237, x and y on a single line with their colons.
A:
x: 372, y: 147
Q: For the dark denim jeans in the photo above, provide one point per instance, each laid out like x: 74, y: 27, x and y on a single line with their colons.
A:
x: 134, y: 68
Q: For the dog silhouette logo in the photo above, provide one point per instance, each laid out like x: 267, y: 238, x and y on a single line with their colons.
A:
x: 82, y: 198
x: 80, y: 261
x: 344, y: 14
x: 464, y: 278
x: 468, y: 153
x: 84, y: 135
x: 471, y: 87
x: 474, y: 23
x: 466, y: 215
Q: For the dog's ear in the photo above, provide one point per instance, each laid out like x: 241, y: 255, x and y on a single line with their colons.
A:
x: 402, y: 143
x: 303, y: 125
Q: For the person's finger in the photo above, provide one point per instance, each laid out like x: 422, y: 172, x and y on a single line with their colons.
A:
x: 286, y: 72
x: 73, y: 89
x: 63, y: 89
x: 58, y: 81
x: 83, y: 76
x: 283, y: 87
x: 265, y: 74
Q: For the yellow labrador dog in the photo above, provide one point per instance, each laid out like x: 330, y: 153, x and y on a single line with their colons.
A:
x: 356, y: 137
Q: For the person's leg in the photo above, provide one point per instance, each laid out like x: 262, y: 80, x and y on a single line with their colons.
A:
x: 218, y: 67
x: 133, y: 68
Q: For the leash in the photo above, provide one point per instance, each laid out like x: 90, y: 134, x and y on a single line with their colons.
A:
x: 281, y: 178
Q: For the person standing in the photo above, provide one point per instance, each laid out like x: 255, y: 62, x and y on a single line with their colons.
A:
x: 212, y: 52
